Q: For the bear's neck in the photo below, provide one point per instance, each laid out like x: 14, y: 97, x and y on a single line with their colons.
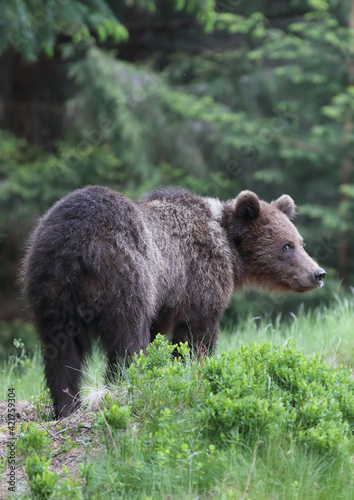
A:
x: 234, y: 239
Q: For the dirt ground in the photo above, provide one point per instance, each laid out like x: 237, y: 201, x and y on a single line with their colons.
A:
x: 77, y: 427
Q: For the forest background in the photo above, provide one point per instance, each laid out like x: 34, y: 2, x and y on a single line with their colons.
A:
x: 213, y: 96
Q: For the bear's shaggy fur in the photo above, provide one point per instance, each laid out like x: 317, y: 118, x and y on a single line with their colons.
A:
x: 101, y: 265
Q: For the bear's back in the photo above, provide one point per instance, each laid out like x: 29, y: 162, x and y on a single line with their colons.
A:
x: 190, y: 241
x: 185, y: 218
x: 84, y: 233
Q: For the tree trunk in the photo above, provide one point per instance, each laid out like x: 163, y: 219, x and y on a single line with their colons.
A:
x: 347, y: 164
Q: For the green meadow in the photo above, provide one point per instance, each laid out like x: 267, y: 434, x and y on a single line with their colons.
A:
x: 269, y: 416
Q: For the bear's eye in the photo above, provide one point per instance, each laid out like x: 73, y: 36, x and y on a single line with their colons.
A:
x: 287, y: 246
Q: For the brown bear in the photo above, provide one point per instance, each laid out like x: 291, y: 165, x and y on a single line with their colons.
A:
x: 100, y: 265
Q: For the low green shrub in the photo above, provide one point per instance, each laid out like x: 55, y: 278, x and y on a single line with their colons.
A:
x: 46, y: 484
x: 31, y: 439
x: 256, y: 392
x: 41, y: 480
x: 113, y: 415
x: 188, y: 424
x: 261, y: 390
x: 43, y: 404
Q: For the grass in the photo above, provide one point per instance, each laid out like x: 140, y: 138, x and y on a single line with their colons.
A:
x: 22, y: 372
x: 325, y: 331
x: 153, y: 438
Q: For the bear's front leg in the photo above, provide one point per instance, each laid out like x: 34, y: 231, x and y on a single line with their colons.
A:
x: 201, y: 337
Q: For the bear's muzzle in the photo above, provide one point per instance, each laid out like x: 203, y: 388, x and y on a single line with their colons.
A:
x: 320, y: 275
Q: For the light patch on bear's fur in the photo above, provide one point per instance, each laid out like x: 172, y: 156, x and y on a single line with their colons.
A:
x: 155, y: 202
x: 215, y: 206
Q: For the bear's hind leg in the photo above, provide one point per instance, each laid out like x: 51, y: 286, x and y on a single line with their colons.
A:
x: 63, y: 355
x: 120, y: 341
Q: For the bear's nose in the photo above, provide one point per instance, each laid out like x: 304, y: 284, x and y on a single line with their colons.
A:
x: 320, y: 274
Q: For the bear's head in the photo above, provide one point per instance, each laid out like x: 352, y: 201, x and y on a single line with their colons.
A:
x: 270, y: 246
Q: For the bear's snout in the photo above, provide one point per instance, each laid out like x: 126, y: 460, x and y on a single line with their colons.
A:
x: 320, y: 275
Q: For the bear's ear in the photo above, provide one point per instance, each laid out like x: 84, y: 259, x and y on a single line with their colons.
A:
x: 286, y: 205
x: 247, y: 206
